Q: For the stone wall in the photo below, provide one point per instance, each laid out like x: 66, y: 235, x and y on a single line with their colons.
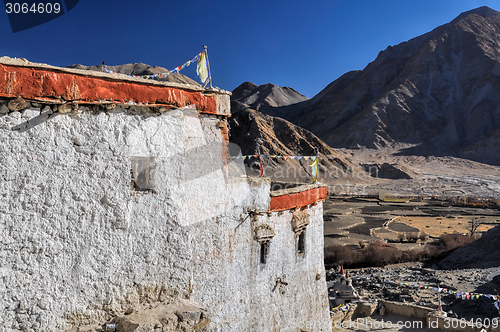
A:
x: 407, y: 310
x: 83, y: 239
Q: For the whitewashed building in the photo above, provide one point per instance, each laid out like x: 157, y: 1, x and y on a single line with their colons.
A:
x: 118, y: 191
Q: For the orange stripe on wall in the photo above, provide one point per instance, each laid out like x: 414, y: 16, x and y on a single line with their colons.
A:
x: 294, y: 200
x: 47, y: 85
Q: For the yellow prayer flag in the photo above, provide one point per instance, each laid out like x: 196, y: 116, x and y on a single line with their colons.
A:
x: 201, y: 68
x: 314, y: 166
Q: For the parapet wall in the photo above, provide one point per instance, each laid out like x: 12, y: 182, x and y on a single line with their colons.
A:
x: 48, y: 84
x: 406, y: 310
x: 296, y: 197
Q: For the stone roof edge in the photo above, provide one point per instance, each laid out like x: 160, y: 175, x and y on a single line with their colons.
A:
x: 294, y: 190
x: 21, y: 62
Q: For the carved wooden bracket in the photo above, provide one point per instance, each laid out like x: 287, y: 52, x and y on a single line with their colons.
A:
x: 264, y: 233
x: 300, y: 220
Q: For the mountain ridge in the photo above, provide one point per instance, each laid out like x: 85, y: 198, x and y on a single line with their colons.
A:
x: 438, y: 90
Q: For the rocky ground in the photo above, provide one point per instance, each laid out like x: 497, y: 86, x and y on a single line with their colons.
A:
x: 373, y: 284
x: 353, y: 221
x: 178, y: 315
x: 483, y: 253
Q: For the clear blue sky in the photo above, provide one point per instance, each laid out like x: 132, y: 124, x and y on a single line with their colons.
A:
x: 301, y: 44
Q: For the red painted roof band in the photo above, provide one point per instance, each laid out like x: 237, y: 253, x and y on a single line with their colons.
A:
x: 295, y: 200
x: 47, y: 85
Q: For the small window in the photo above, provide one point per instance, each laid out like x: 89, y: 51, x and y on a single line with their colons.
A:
x: 264, y: 246
x: 142, y: 173
x: 301, y: 244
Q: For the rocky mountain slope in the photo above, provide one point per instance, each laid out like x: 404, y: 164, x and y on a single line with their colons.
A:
x: 482, y: 253
x: 439, y: 92
x: 140, y: 69
x: 256, y: 133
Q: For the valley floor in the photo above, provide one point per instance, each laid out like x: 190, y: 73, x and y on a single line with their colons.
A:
x: 431, y: 175
x: 349, y: 221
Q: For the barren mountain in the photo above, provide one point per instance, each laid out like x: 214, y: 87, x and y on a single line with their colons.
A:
x: 439, y: 92
x: 263, y: 97
x: 257, y: 133
x: 140, y: 69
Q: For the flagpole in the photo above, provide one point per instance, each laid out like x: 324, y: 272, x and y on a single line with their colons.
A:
x: 208, y: 66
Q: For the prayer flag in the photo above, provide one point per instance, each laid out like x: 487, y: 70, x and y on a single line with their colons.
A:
x: 201, y: 68
x: 314, y: 166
